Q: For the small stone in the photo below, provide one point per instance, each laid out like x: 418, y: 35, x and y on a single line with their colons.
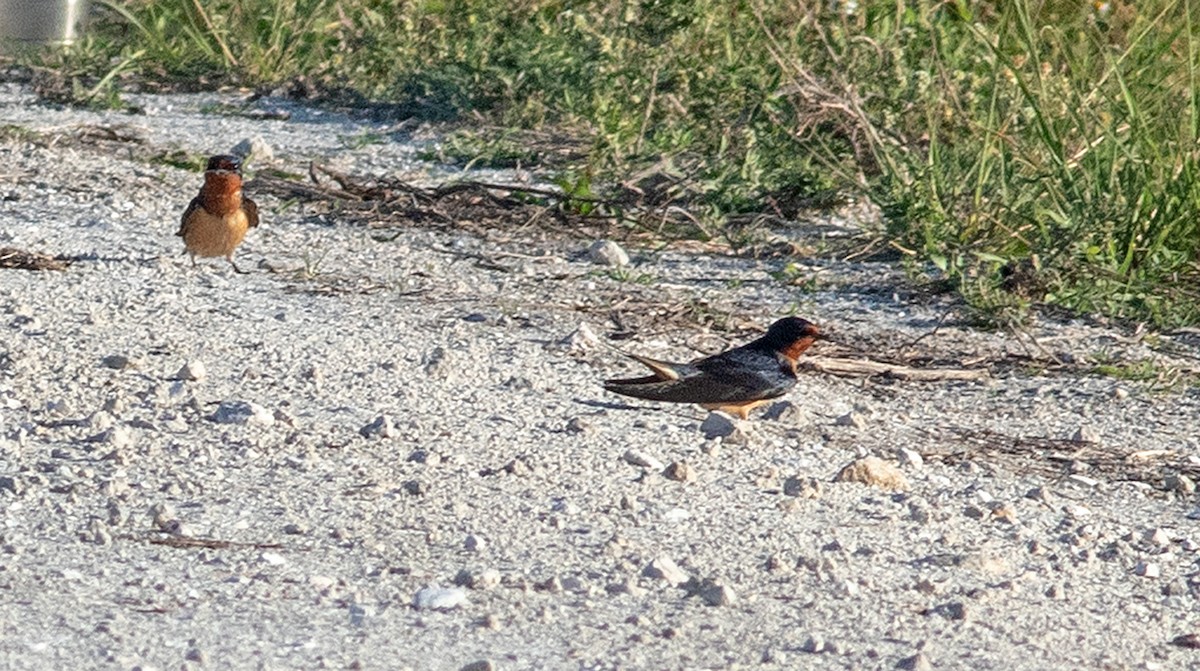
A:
x: 802, y: 488
x: 98, y: 533
x: 852, y: 418
x: 242, y: 412
x: 481, y: 665
x: 118, y: 437
x: 607, y: 253
x: 786, y: 412
x: 955, y: 610
x: 117, y: 362
x: 909, y: 457
x: 474, y: 543
x: 192, y: 371
x: 1159, y: 538
x: 196, y: 655
x: 485, y: 580
x: 721, y: 425
x: 1120, y: 393
x: 875, y: 472
x: 433, y: 597
x: 552, y: 584
x: 1077, y: 511
x: 578, y: 425
x: 517, y: 467
x: 814, y: 645
x: 918, y: 662
x: 295, y: 529
x: 582, y: 340
x: 680, y: 471
x: 380, y: 427
x: 9, y: 483
x: 1180, y: 483
x: 1190, y: 641
x: 973, y: 511
x: 416, y: 487
x: 436, y: 364
x: 664, y: 568
x: 1004, y: 511
x: 253, y: 149
x: 1086, y: 434
x: 1189, y: 545
x: 475, y: 318
x: 716, y: 593
x: 1056, y: 591
x: 272, y: 559
x: 1083, y: 480
x: 640, y: 458
x: 1040, y: 494
x: 1147, y: 569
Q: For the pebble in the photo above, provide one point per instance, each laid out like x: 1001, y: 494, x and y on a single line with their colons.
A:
x: 582, y: 340
x: 1180, y: 483
x: 253, y: 149
x: 98, y: 533
x: 192, y: 371
x: 380, y: 427
x: 640, y: 458
x: 664, y: 568
x: 852, y: 418
x: 909, y: 457
x: 680, y: 471
x: 814, y: 645
x: 786, y: 412
x: 716, y: 593
x: 1190, y: 641
x: 721, y: 425
x: 117, y: 362
x: 1147, y: 569
x: 433, y: 597
x: 802, y: 488
x: 480, y: 665
x: 478, y: 580
x: 272, y: 559
x: 242, y: 412
x: 579, y: 425
x: 1086, y: 434
x: 607, y: 253
x: 875, y: 472
x: 474, y: 543
x: 918, y: 662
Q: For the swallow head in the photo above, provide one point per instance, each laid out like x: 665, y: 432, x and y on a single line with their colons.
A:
x: 790, y: 336
x: 224, y: 162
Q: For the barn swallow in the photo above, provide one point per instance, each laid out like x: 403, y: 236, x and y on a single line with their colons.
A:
x: 217, y: 219
x: 734, y: 381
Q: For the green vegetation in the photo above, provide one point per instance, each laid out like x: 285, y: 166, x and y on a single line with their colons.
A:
x: 1021, y: 152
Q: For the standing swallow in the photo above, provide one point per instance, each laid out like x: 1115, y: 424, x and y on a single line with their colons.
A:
x: 217, y: 219
x: 734, y: 381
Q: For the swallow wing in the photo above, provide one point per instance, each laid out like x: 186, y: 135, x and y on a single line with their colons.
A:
x: 186, y: 220
x: 251, y: 210
x: 737, y: 376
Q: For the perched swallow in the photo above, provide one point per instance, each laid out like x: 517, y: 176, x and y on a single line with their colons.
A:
x: 734, y: 381
x: 217, y: 219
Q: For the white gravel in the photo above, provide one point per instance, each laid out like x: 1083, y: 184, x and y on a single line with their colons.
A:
x: 287, y: 468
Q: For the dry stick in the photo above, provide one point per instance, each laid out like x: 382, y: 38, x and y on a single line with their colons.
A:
x: 863, y: 368
x: 230, y: 60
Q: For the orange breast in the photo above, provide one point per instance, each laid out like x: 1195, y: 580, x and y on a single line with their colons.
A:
x: 209, y: 235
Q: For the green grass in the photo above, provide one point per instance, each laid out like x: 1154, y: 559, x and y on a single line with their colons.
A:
x: 1021, y: 152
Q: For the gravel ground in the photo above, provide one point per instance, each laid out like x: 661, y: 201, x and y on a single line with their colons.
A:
x: 397, y: 454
